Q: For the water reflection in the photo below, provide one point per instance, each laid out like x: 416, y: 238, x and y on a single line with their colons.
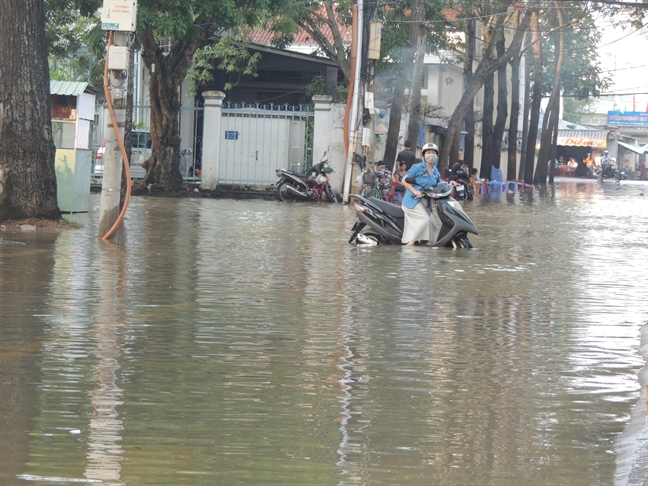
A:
x: 247, y: 341
x: 105, y: 450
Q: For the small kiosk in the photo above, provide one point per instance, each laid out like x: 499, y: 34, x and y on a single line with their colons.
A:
x: 73, y: 108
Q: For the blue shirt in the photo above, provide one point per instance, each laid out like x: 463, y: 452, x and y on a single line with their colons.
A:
x: 424, y: 180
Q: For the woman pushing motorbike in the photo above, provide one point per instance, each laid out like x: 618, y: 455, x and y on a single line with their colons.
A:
x: 419, y: 219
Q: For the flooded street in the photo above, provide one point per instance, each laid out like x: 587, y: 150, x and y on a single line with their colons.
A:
x: 226, y: 342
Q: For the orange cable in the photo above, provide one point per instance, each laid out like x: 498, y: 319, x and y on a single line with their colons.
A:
x: 120, y: 141
x: 354, y: 40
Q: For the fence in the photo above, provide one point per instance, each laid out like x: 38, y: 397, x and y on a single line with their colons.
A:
x: 191, y: 126
x: 258, y: 138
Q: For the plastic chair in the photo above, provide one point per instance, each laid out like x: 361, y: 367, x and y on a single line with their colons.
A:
x: 497, y: 175
x: 497, y: 183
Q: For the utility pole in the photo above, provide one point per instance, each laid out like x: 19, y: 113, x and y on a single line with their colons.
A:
x: 353, y: 134
x: 118, y: 17
x: 112, y: 172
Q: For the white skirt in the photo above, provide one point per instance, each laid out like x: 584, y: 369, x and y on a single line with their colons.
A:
x: 419, y: 224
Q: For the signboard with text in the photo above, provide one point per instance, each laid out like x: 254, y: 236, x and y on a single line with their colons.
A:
x: 582, y: 139
x: 119, y: 15
x: 628, y: 118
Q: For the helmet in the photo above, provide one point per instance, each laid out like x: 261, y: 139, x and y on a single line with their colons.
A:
x: 605, y: 152
x: 442, y: 189
x: 429, y: 146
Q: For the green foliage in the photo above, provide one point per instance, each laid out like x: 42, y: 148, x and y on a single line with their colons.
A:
x: 395, y: 39
x: 581, y: 74
x: 342, y: 92
x: 427, y: 109
x: 76, y: 43
x: 67, y: 22
x: 232, y: 56
x: 574, y: 109
x: 320, y: 19
x: 318, y: 86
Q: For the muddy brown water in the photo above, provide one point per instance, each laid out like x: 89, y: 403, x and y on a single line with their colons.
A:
x: 246, y: 342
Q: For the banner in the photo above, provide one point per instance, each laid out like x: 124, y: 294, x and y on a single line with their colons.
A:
x: 627, y: 118
x: 582, y: 138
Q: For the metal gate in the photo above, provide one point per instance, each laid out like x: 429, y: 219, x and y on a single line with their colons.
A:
x: 191, y: 126
x: 258, y: 138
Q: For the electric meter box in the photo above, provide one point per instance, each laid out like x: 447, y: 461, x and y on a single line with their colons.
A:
x: 118, y: 58
x: 375, y: 33
x: 119, y: 15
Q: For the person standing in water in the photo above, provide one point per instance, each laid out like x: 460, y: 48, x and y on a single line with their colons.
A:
x: 419, y: 219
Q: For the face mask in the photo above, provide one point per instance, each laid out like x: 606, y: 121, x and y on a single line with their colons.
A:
x: 432, y: 159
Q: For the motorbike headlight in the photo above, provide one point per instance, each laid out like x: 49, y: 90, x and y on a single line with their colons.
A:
x: 278, y: 172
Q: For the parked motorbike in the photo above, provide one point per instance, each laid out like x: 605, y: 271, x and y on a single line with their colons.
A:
x: 610, y: 172
x: 462, y: 189
x: 381, y: 223
x: 295, y: 186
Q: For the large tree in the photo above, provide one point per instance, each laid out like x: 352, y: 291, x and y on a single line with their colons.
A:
x: 405, y: 42
x: 323, y: 20
x: 27, y: 175
x: 187, y: 25
x: 497, y: 15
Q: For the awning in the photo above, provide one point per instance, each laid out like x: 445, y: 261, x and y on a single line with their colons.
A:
x: 71, y: 88
x: 582, y: 138
x: 634, y: 148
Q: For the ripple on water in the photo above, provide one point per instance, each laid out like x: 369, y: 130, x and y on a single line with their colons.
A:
x: 249, y: 340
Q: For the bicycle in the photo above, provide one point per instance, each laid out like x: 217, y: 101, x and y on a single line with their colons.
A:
x: 376, y: 183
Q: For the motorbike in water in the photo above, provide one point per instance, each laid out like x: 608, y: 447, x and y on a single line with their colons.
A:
x: 462, y: 188
x: 381, y: 223
x: 295, y: 186
x: 609, y: 171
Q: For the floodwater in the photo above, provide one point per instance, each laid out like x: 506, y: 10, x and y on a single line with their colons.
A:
x: 225, y: 342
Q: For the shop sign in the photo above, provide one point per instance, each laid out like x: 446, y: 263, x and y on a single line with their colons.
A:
x: 582, y: 141
x: 628, y: 118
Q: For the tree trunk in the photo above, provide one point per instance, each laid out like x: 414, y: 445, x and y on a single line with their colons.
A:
x: 417, y: 38
x: 454, y: 147
x: 167, y: 73
x: 395, y: 114
x: 486, y: 68
x: 27, y: 152
x: 487, y: 127
x: 502, y: 106
x: 550, y: 120
x: 469, y: 118
x: 128, y: 121
x: 511, y: 169
x: 527, y: 109
x: 536, y: 98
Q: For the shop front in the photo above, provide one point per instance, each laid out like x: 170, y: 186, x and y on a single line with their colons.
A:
x: 577, y: 144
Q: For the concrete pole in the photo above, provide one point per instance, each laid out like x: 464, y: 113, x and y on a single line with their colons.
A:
x: 321, y: 127
x: 112, y: 158
x: 212, y: 137
x: 353, y: 134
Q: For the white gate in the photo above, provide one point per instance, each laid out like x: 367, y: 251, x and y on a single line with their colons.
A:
x: 258, y: 138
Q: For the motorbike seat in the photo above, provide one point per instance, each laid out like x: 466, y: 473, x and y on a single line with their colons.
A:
x: 298, y: 174
x: 389, y: 208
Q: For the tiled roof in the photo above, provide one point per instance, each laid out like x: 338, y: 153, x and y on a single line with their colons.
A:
x: 301, y: 37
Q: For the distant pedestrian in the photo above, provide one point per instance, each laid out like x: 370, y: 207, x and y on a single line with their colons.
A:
x: 408, y: 156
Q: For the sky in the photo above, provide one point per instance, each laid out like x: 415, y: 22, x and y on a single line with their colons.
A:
x: 624, y: 54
